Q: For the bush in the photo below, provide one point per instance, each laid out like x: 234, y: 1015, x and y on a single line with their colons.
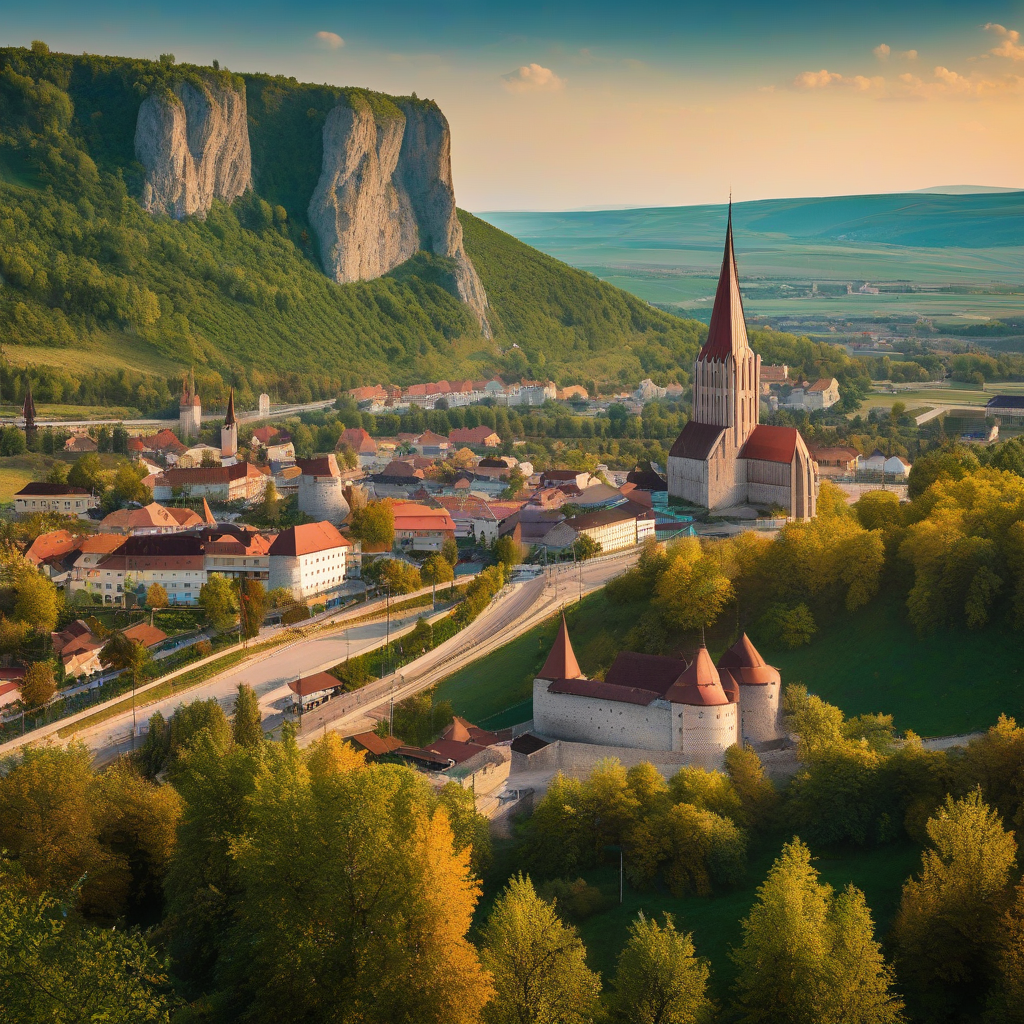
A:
x: 574, y: 900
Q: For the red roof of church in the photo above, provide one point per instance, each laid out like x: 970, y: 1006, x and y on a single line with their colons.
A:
x: 699, y: 684
x: 728, y: 332
x: 770, y: 444
x: 561, y: 663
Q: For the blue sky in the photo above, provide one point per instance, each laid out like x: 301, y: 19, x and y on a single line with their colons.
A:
x: 560, y: 105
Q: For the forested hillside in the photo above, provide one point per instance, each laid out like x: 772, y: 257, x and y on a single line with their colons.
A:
x: 107, y: 303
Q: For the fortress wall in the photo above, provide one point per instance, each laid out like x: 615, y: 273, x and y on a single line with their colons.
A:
x: 759, y: 713
x: 706, y: 733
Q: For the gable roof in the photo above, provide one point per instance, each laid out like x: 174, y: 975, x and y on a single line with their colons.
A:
x: 561, y: 662
x: 51, y: 545
x: 603, y: 691
x: 727, y: 334
x: 644, y: 671
x: 307, y: 539
x: 823, y: 384
x: 695, y: 441
x: 771, y: 444
x: 44, y: 490
x: 314, y: 684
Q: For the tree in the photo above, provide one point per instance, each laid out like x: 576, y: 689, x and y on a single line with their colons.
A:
x: 37, y: 599
x: 1008, y: 999
x: 818, y: 724
x: 693, y: 589
x: 782, y: 626
x: 209, y: 459
x: 55, y: 970
x: 947, y: 928
x: 757, y: 795
x: 128, y: 485
x: 39, y: 685
x: 156, y: 596
x: 219, y: 600
x: 539, y: 964
x: 436, y: 569
x: 58, y: 473
x: 126, y: 655
x: 584, y: 547
x: 374, y: 525
x: 809, y: 956
x: 247, y: 726
x: 450, y: 551
x: 253, y: 607
x: 507, y: 551
x: 87, y: 472
x: 13, y: 633
x: 659, y: 978
x: 513, y: 484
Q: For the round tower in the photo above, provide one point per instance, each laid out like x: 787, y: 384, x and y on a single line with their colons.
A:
x: 320, y: 493
x: 759, y: 687
x: 704, y: 718
x: 190, y: 409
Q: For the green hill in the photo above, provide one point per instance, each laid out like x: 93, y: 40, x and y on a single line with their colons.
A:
x: 107, y: 304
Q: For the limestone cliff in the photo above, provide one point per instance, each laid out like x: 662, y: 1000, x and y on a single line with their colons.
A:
x: 385, y: 192
x: 194, y: 145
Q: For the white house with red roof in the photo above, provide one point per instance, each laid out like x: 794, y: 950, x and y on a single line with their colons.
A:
x: 724, y: 456
x: 421, y: 528
x: 650, y: 702
x: 308, y: 560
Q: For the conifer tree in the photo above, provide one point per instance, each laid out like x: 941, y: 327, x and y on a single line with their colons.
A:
x: 808, y: 956
x: 247, y: 727
x: 538, y: 963
x: 659, y: 978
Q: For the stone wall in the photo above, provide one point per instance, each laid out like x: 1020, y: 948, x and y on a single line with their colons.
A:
x: 284, y: 572
x: 759, y: 713
x: 589, y: 720
x: 322, y: 498
x: 706, y: 733
x: 578, y: 760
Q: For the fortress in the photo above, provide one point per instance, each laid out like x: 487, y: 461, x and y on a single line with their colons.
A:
x: 724, y: 457
x: 654, y: 703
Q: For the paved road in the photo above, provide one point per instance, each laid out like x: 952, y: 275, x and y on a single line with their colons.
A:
x: 275, y: 413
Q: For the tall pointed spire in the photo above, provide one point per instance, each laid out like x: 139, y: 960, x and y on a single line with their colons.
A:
x: 727, y: 334
x: 561, y: 663
x: 229, y: 419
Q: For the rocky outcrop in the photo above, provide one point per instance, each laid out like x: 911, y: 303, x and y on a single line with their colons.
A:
x: 385, y: 192
x: 194, y: 145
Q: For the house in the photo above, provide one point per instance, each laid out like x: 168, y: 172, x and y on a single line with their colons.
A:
x: 474, y: 517
x: 312, y: 691
x: 419, y: 528
x: 560, y: 477
x: 431, y: 445
x: 145, y: 634
x: 163, y: 443
x: 573, y: 393
x: 623, y: 526
x: 175, y: 561
x: 62, y: 498
x: 873, y: 463
x: 376, y: 746
x: 375, y: 394
x: 653, y: 703
x: 240, y: 482
x: 834, y: 461
x: 78, y: 649
x: 91, y: 551
x: 774, y: 374
x: 724, y: 456
x: 10, y: 689
x: 822, y: 394
x: 482, y: 436
x: 265, y: 436
x: 460, y: 742
x: 79, y: 444
x: 199, y: 454
x: 238, y: 551
x: 48, y: 546
x: 148, y: 520
x: 308, y: 560
x: 400, y: 472
x: 361, y: 443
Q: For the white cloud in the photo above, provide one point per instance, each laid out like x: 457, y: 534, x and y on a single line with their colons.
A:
x: 823, y: 79
x: 532, y: 78
x: 1010, y: 46
x: 329, y: 40
x: 882, y: 51
x: 907, y: 54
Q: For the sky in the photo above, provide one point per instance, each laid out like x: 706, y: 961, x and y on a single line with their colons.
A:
x: 588, y: 103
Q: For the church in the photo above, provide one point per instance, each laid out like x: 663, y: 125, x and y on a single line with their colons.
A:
x: 724, y: 457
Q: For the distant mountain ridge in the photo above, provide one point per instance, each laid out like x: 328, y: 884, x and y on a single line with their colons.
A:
x: 927, y: 219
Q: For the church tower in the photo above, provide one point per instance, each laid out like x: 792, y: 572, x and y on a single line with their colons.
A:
x: 190, y: 409
x: 727, y: 374
x: 229, y: 432
x: 28, y: 410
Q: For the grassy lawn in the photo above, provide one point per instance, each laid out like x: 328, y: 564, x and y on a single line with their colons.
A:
x: 715, y: 921
x: 939, y: 685
x: 13, y: 478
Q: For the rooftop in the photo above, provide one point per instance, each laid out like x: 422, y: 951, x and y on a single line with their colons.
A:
x: 307, y: 539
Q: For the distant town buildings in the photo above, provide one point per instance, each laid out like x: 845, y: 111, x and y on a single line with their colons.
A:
x: 62, y: 498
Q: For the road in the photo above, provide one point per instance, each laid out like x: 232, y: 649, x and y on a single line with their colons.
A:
x: 276, y: 412
x: 518, y: 608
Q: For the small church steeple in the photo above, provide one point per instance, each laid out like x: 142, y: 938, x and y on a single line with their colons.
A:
x: 28, y: 410
x: 229, y: 432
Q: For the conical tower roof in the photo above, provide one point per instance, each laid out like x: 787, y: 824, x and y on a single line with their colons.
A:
x: 747, y: 666
x: 229, y: 418
x: 727, y: 334
x: 207, y: 514
x: 698, y: 684
x: 561, y: 663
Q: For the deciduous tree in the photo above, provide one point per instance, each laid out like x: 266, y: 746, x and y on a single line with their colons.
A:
x: 247, y: 726
x: 39, y: 685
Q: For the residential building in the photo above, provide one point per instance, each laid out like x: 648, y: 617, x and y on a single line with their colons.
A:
x: 431, y: 445
x: 91, y: 551
x: 308, y: 560
x: 53, y: 545
x: 149, y: 520
x: 482, y: 436
x: 240, y: 482
x: 822, y: 394
x: 724, y: 457
x: 163, y: 444
x: 198, y: 455
x: 873, y: 463
x: 62, y: 498
x: 78, y: 649
x: 419, y: 528
x: 265, y: 436
x: 79, y: 444
x: 774, y: 374
x: 561, y: 477
x: 236, y: 551
x: 361, y: 443
x: 312, y: 691
x: 175, y: 561
x: 623, y: 526
x: 834, y: 461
